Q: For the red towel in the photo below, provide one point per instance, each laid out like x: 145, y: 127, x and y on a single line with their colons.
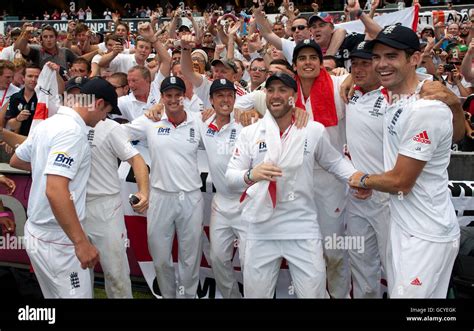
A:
x: 322, y: 99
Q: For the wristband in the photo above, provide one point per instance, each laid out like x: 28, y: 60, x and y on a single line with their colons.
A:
x: 362, y: 180
x: 4, y: 214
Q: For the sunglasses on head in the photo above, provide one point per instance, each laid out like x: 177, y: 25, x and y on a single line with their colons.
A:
x: 299, y: 27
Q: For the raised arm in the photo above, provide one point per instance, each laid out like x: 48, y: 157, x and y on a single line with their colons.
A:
x: 265, y: 29
x: 22, y: 42
x: 187, y: 42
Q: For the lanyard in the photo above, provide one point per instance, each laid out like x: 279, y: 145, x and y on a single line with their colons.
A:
x: 4, y: 95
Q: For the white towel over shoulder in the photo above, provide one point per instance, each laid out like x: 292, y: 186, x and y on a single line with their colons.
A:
x: 286, y: 153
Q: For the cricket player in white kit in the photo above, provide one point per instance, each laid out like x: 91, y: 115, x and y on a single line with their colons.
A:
x: 176, y: 202
x: 424, y: 231
x: 367, y: 219
x: 274, y: 162
x: 58, y: 154
x: 105, y: 224
x: 227, y: 231
x: 318, y: 94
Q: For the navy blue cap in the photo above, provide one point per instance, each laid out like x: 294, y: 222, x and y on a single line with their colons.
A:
x: 284, y: 78
x: 307, y: 43
x: 362, y: 51
x: 398, y: 37
x: 221, y: 84
x: 102, y: 89
x: 172, y: 82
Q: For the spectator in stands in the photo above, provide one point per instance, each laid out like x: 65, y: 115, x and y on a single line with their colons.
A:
x: 19, y: 75
x: 7, y: 89
x: 134, y: 104
x: 80, y: 68
x: 110, y: 41
x: 48, y: 51
x: 8, y: 53
x: 329, y: 63
x: 116, y: 61
x: 22, y: 104
x: 88, y: 13
x: 120, y: 82
x: 83, y: 38
x: 46, y: 15
x: 454, y: 79
x: 258, y: 74
x: 107, y: 14
x: 81, y: 14
x: 55, y: 15
x: 64, y: 15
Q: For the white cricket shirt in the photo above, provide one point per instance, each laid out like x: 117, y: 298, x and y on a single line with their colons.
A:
x: 219, y: 145
x: 364, y: 129
x: 109, y: 141
x: 130, y: 107
x: 173, y: 151
x: 422, y: 130
x: 58, y: 146
x: 297, y: 218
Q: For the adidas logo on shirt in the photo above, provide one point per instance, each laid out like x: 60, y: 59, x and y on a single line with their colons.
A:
x: 416, y: 282
x: 422, y: 138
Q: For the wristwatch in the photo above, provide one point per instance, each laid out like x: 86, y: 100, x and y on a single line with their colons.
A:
x: 247, y: 175
x: 362, y: 180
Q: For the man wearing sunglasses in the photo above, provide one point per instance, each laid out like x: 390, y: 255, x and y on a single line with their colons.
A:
x: 258, y: 74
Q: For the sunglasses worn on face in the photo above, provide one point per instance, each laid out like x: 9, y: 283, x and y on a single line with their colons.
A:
x: 299, y: 27
x: 258, y: 69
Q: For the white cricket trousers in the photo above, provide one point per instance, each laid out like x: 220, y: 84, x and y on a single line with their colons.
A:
x: 305, y: 261
x: 418, y: 268
x: 181, y: 213
x: 367, y: 222
x: 105, y: 226
x: 227, y: 231
x: 55, y: 264
x: 337, y: 260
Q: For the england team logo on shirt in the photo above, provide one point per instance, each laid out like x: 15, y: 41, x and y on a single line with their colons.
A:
x: 376, y: 111
x: 233, y: 135
x: 192, y: 137
x: 63, y: 160
x: 391, y: 127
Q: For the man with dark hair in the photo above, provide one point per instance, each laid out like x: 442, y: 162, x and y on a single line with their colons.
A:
x: 48, y: 51
x: 318, y: 94
x: 60, y: 154
x: 22, y: 104
x: 176, y: 202
x: 277, y: 174
x: 80, y: 68
x: 424, y: 232
x: 120, y: 82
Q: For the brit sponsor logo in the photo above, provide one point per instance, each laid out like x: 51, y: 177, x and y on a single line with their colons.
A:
x: 63, y: 160
x: 262, y: 146
x: 210, y: 132
x: 422, y: 138
x: 163, y: 131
